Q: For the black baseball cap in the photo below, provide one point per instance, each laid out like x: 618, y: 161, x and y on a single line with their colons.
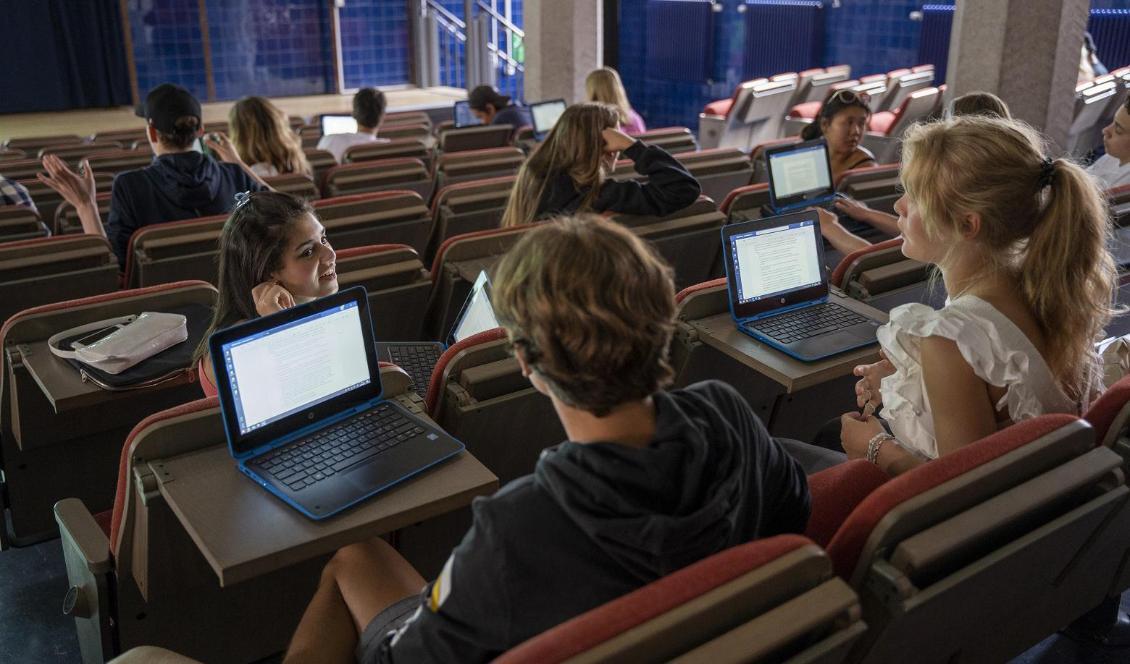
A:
x: 167, y: 103
x: 485, y: 94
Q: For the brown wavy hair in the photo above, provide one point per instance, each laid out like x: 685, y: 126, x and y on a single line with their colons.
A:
x: 591, y: 308
x: 261, y: 133
x: 575, y: 146
x: 1046, y: 225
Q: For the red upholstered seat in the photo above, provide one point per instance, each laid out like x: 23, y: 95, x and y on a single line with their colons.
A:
x: 370, y: 249
x: 103, y: 520
x: 837, y: 277
x: 836, y: 492
x: 881, y: 122
x: 437, y: 262
x: 123, y: 460
x: 735, y: 193
x: 431, y: 401
x: 605, y: 622
x: 443, y: 193
x: 721, y: 108
x: 847, y: 544
x: 1105, y: 410
x: 809, y: 109
x: 690, y: 290
x: 370, y: 196
x: 127, y: 275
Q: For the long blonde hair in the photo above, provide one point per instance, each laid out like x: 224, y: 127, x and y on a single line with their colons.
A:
x: 604, y: 85
x: 1043, y: 221
x: 574, y: 146
x: 261, y: 133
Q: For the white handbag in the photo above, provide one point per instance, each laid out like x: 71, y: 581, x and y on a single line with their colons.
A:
x: 120, y: 343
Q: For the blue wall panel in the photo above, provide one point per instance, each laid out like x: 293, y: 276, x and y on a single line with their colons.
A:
x: 167, y: 44
x: 374, y: 43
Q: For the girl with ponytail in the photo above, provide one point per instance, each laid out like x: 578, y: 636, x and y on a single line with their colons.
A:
x: 1020, y: 240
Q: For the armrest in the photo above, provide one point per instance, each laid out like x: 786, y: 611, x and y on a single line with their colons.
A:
x: 81, y: 533
x: 836, y: 492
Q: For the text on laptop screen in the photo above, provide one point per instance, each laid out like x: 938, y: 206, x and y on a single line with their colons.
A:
x: 775, y: 261
x: 800, y: 171
x: 279, y: 372
x: 545, y: 115
x: 479, y: 314
x: 338, y: 124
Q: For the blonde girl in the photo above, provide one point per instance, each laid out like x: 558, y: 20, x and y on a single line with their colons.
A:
x: 263, y: 138
x: 603, y: 85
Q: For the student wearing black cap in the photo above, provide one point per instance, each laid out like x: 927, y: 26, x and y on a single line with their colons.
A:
x: 180, y: 183
x: 493, y: 108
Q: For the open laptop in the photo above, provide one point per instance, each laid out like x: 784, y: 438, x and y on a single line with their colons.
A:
x: 778, y: 288
x: 800, y: 176
x: 419, y: 358
x: 338, y: 124
x: 463, y: 116
x: 544, y: 115
x: 303, y: 408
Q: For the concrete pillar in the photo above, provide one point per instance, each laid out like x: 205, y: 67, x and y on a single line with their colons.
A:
x: 1024, y: 51
x: 563, y: 44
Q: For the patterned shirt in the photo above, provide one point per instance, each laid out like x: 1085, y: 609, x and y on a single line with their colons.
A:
x: 14, y: 193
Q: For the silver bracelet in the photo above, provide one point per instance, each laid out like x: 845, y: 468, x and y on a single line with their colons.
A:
x: 875, y: 444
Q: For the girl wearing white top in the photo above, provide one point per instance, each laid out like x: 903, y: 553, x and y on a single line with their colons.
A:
x: 1020, y: 241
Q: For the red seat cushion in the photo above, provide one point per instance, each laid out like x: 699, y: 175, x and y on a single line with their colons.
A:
x: 837, y: 277
x: 605, y: 622
x: 835, y: 494
x: 882, y: 122
x: 1101, y: 414
x: 809, y: 109
x: 431, y: 401
x: 690, y: 290
x: 721, y: 108
x: 734, y: 194
x: 103, y: 520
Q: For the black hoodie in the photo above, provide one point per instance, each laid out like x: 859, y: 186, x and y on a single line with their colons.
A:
x: 596, y: 521
x: 183, y: 185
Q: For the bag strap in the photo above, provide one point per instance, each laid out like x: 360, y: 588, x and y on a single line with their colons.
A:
x: 55, y: 341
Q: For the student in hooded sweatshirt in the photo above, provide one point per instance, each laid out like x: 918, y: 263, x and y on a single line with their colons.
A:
x: 649, y: 481
x: 181, y: 183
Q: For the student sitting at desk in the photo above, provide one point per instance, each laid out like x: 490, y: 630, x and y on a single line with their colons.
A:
x: 273, y: 254
x: 649, y: 481
x: 1020, y: 240
x: 569, y: 172
x: 842, y: 121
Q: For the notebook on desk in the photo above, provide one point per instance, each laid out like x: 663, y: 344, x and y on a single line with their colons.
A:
x: 304, y: 411
x: 778, y: 289
x: 419, y: 358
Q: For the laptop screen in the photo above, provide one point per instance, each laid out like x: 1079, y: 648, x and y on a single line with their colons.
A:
x: 771, y: 262
x: 478, y: 314
x: 800, y: 171
x: 281, y: 371
x: 463, y: 115
x: 338, y: 124
x: 545, y: 114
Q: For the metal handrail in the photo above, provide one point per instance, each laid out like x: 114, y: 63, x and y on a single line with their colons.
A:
x: 501, y: 19
x: 444, y: 13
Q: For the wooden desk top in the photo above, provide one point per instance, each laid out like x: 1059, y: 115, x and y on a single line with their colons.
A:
x: 720, y: 332
x: 244, y: 532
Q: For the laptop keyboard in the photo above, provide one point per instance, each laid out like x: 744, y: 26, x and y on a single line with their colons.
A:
x: 807, y: 322
x: 330, y: 451
x: 417, y: 360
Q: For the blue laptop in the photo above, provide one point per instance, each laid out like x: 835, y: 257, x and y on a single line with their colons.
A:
x: 303, y: 407
x: 779, y: 288
x: 800, y: 176
x: 462, y: 115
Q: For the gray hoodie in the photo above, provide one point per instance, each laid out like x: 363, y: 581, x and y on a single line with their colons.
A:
x: 596, y: 521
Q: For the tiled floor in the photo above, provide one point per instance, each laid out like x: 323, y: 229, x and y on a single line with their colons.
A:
x: 33, y: 581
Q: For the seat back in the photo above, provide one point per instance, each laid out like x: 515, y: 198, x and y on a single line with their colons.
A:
x: 33, y: 144
x: 174, y: 251
x: 61, y: 434
x: 771, y: 600
x: 66, y: 220
x: 819, y: 85
x: 22, y: 169
x: 688, y: 239
x: 883, y: 277
x: 73, y: 154
x: 397, y: 283
x: 118, y: 161
x: 915, y: 107
x: 469, y: 165
x: 903, y: 85
x: 1029, y: 523
x: 406, y: 117
x: 37, y: 272
x: 402, y: 147
x: 478, y: 394
x: 47, y: 200
x: 722, y: 124
x: 417, y: 130
x: 126, y: 137
x: 19, y: 222
x: 387, y: 217
x: 468, y: 207
x: 878, y: 186
x: 295, y: 184
x: 11, y: 154
x: 403, y: 173
x: 475, y: 138
x: 456, y: 265
x: 1119, y: 201
x: 672, y: 139
x: 1091, y: 105
x: 1110, y: 416
x: 745, y: 203
x: 766, y: 111
x: 309, y: 134
x: 320, y: 161
x: 718, y: 171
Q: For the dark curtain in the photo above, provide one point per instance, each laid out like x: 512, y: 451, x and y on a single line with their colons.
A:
x: 62, y: 54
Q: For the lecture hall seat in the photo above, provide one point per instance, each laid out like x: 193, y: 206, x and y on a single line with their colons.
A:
x: 54, y: 269
x: 410, y: 173
x: 468, y: 207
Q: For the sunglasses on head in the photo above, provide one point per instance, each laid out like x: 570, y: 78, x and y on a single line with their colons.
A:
x: 851, y: 97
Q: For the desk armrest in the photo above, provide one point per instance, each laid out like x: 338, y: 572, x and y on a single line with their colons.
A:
x: 81, y: 533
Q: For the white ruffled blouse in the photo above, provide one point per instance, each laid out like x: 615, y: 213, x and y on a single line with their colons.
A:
x: 999, y: 353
